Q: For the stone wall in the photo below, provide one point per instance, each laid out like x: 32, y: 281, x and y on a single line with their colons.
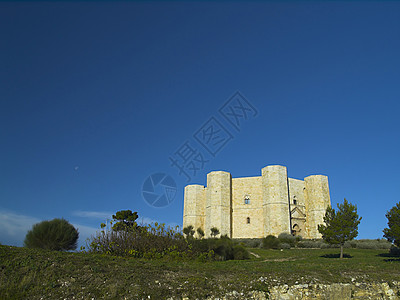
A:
x: 247, y: 209
x: 333, y: 291
x: 336, y: 291
x: 297, y: 206
x: 254, y: 207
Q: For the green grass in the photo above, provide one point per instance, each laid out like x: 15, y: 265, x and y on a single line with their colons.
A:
x: 31, y: 273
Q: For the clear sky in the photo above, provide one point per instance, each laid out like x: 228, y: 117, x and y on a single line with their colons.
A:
x: 96, y: 97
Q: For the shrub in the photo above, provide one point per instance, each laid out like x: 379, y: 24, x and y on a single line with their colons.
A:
x: 57, y: 234
x: 223, y: 248
x: 240, y: 252
x: 214, y: 231
x: 270, y: 242
x: 157, y: 241
x: 285, y: 246
x: 373, y: 244
x: 250, y: 243
x: 367, y: 245
x: 200, y: 233
x: 394, y: 251
x: 141, y: 241
x: 312, y: 244
x: 287, y: 238
x: 188, y: 231
x: 350, y: 244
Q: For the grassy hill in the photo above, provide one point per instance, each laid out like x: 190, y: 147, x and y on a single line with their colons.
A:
x: 33, y: 274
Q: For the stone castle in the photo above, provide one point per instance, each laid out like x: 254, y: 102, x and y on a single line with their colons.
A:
x: 254, y: 207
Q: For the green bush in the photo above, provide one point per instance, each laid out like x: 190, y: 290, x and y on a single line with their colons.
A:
x: 222, y: 248
x: 240, y: 252
x: 140, y: 241
x: 394, y: 251
x: 284, y: 246
x: 311, y: 244
x: 250, y: 243
x: 157, y: 241
x: 350, y: 244
x: 368, y: 244
x: 373, y: 244
x: 287, y: 238
x: 270, y: 242
x: 360, y: 244
x: 57, y: 234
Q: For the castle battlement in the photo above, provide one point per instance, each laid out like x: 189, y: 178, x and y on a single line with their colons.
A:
x: 254, y: 207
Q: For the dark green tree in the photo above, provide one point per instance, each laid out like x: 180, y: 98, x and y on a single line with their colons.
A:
x: 125, y: 220
x: 57, y: 234
x: 341, y: 225
x: 392, y: 233
x: 214, y: 231
x: 200, y: 232
x: 188, y: 231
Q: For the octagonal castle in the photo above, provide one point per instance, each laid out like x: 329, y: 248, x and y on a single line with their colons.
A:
x: 254, y: 207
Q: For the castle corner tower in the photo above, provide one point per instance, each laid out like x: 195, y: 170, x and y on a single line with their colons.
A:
x: 317, y: 200
x: 275, y: 200
x: 219, y: 203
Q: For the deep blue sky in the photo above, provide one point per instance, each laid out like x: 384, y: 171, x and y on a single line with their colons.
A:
x: 95, y: 97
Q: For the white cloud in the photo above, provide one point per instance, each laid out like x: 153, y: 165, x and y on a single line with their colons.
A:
x: 14, y: 227
x: 102, y: 215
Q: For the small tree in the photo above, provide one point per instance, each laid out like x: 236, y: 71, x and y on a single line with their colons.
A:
x: 200, y: 232
x: 392, y: 233
x: 125, y: 220
x: 57, y: 234
x: 341, y: 225
x: 214, y: 231
x: 188, y: 231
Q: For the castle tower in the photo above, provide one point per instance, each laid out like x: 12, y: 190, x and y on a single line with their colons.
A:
x: 219, y: 203
x: 275, y: 200
x: 317, y: 200
x: 194, y: 206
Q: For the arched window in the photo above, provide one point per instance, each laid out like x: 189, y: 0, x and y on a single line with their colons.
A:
x: 296, y: 229
x: 246, y: 200
x: 294, y: 200
x: 248, y: 220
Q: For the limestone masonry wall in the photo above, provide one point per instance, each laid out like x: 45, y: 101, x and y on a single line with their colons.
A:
x: 254, y: 207
x: 247, y: 218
